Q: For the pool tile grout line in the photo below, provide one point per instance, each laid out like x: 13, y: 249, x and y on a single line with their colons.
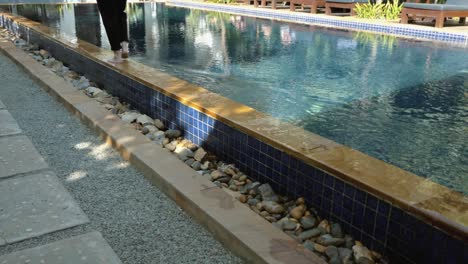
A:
x: 249, y: 236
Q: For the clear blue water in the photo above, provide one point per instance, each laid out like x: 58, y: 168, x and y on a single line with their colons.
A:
x: 400, y: 101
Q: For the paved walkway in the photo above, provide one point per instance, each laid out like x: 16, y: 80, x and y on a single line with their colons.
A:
x: 137, y: 220
x: 33, y: 202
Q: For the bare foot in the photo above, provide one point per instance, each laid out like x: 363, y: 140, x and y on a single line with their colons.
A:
x: 117, y: 59
x: 124, y: 45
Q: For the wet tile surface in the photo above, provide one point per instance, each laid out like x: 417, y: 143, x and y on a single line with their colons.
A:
x: 18, y: 155
x: 88, y: 248
x: 8, y: 125
x: 34, y: 205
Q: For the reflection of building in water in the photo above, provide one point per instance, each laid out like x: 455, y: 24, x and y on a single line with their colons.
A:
x: 136, y: 14
x: 88, y: 24
x: 287, y: 36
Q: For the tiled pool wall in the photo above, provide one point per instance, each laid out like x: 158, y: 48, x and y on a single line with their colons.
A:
x: 380, y: 225
x: 394, y: 29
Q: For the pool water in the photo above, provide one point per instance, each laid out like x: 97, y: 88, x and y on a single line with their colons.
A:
x: 400, y: 101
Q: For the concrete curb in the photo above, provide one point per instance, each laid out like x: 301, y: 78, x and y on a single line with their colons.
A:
x: 232, y: 223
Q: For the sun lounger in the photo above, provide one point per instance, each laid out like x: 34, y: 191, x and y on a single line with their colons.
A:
x: 452, y: 8
x: 345, y: 4
x: 313, y: 4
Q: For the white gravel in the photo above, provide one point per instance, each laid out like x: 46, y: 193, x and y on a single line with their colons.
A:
x: 140, y: 223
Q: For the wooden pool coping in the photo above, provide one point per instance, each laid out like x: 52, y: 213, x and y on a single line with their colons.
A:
x: 431, y: 202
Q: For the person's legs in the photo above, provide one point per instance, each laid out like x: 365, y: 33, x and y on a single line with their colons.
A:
x: 121, y: 5
x: 112, y: 26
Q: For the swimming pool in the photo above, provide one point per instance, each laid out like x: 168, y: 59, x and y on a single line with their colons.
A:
x: 397, y: 100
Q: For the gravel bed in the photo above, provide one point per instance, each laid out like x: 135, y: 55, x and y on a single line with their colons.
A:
x: 140, y: 223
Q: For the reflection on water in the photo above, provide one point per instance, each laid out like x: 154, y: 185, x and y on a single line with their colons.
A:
x: 399, y: 101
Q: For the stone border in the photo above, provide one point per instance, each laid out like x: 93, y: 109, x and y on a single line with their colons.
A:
x: 424, y: 33
x: 231, y: 222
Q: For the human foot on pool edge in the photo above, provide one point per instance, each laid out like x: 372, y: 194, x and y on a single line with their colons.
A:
x: 124, y: 45
x: 117, y: 58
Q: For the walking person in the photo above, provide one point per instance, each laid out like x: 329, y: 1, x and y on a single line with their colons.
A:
x: 115, y: 21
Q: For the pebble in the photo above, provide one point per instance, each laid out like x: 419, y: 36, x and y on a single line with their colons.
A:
x: 273, y: 207
x: 205, y: 165
x: 225, y: 180
x: 158, y: 137
x: 93, y: 91
x: 319, y: 248
x: 264, y: 213
x: 243, y: 198
x: 230, y: 171
x: 196, y: 165
x: 44, y: 54
x: 328, y: 240
x: 171, y: 146
x: 233, y: 187
x: 216, y: 174
x: 145, y: 120
x: 149, y: 129
x: 297, y: 212
x: 183, y: 153
x: 336, y: 230
x: 189, y: 162
x: 308, y: 222
x: 310, y: 233
x: 325, y: 225
x: 173, y: 133
x: 363, y: 260
x: 82, y: 83
x: 287, y: 224
x: 129, y: 117
x: 271, y: 219
x: 309, y: 245
x: 200, y: 154
x: 300, y: 201
x: 260, y: 206
x: 345, y: 253
x: 349, y: 242
x: 159, y: 124
x: 250, y: 186
x: 252, y: 201
x: 362, y: 254
x: 331, y: 252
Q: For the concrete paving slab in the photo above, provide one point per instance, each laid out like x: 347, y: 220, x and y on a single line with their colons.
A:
x: 34, y: 205
x: 2, y: 106
x: 18, y: 155
x: 90, y: 248
x: 8, y: 125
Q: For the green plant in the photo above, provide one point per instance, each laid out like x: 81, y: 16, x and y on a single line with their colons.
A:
x: 390, y: 10
x: 369, y: 10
